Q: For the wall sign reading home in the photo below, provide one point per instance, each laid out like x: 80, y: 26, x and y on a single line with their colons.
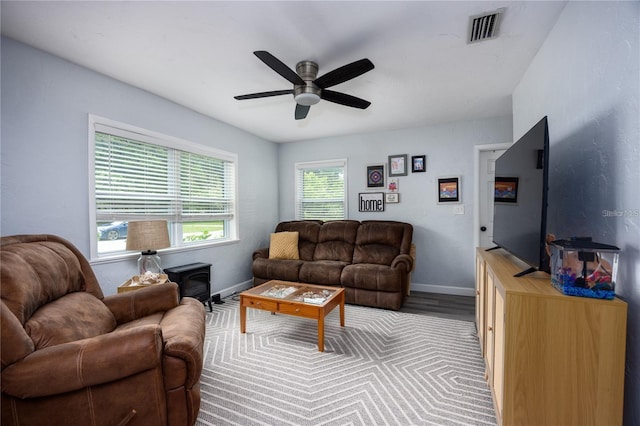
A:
x: 371, y: 202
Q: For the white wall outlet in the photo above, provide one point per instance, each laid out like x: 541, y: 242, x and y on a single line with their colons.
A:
x: 458, y: 209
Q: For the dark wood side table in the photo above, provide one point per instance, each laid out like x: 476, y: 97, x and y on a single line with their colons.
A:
x: 194, y: 281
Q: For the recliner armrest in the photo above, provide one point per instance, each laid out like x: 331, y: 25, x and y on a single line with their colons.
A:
x: 183, y: 331
x: 261, y: 253
x: 403, y: 260
x: 87, y: 362
x: 136, y: 304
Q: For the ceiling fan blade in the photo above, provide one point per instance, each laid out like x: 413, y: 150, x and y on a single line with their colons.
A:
x: 344, y: 73
x: 264, y: 94
x: 344, y: 99
x: 302, y: 111
x: 279, y: 67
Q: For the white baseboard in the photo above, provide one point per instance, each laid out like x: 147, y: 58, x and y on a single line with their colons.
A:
x: 441, y: 289
x: 226, y: 292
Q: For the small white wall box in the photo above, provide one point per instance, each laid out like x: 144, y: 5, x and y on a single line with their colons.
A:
x: 584, y: 268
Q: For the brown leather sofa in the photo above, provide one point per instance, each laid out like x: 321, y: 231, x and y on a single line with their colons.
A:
x: 71, y: 356
x: 370, y: 259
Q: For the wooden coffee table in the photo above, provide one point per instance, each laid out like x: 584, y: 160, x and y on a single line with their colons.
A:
x: 299, y: 299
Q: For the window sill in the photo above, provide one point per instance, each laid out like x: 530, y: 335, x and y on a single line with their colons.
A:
x: 117, y: 257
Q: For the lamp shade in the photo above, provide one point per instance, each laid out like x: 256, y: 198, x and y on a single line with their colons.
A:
x: 147, y: 235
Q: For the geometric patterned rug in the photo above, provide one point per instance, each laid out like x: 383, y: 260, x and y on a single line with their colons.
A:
x: 382, y: 368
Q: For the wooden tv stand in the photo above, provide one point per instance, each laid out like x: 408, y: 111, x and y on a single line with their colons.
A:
x: 550, y: 359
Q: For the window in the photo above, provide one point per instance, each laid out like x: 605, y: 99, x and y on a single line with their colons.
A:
x: 137, y: 175
x: 321, y: 190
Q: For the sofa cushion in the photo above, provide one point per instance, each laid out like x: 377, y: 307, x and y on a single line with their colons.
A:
x: 277, y: 269
x: 284, y: 245
x: 372, y: 277
x: 336, y: 240
x: 72, y: 317
x: 324, y: 272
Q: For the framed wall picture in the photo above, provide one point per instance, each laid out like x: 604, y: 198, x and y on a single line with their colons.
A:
x: 398, y: 165
x: 418, y: 163
x: 393, y: 184
x: 371, y: 201
x: 391, y: 197
x: 506, y: 190
x: 375, y: 176
x: 449, y: 190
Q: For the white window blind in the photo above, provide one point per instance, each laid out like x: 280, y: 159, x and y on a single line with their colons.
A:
x: 136, y: 180
x: 139, y: 175
x: 321, y: 190
x: 206, y: 188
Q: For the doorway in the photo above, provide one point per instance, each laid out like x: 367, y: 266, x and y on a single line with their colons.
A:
x: 484, y: 158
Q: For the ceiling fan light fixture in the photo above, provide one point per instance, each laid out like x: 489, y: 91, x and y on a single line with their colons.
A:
x: 307, y: 89
x: 307, y: 99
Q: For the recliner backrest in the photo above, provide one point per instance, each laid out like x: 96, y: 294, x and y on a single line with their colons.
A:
x: 336, y: 240
x: 379, y: 242
x: 35, y: 271
x: 308, y: 231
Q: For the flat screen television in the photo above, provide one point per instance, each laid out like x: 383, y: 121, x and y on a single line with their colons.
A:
x: 520, y: 199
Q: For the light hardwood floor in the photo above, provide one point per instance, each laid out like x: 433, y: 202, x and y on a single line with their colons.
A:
x: 441, y: 305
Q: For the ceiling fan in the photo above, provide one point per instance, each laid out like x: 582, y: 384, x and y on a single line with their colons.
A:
x: 307, y: 89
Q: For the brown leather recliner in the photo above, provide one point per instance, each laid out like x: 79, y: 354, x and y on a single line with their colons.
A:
x: 71, y: 356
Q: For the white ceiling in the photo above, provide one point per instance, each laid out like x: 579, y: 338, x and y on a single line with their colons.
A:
x: 199, y: 54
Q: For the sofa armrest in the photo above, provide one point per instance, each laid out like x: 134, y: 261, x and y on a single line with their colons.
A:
x: 403, y: 260
x: 136, y: 304
x: 87, y: 362
x: 261, y: 253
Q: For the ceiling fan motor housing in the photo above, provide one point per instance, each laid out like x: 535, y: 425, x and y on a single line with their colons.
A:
x: 309, y: 93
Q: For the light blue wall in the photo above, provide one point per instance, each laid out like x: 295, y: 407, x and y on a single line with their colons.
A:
x: 585, y: 78
x: 45, y: 103
x: 444, y: 241
x: 45, y: 107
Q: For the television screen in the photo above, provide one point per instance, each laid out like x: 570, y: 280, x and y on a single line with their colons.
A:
x: 520, y: 199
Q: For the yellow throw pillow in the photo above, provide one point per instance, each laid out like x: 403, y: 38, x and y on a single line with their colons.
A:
x: 284, y: 245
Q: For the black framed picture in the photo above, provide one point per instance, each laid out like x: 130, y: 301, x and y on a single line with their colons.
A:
x: 375, y: 176
x: 398, y: 165
x: 506, y: 190
x: 449, y: 190
x: 418, y: 163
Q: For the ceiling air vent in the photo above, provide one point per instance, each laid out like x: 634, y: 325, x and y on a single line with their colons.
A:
x: 484, y: 27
